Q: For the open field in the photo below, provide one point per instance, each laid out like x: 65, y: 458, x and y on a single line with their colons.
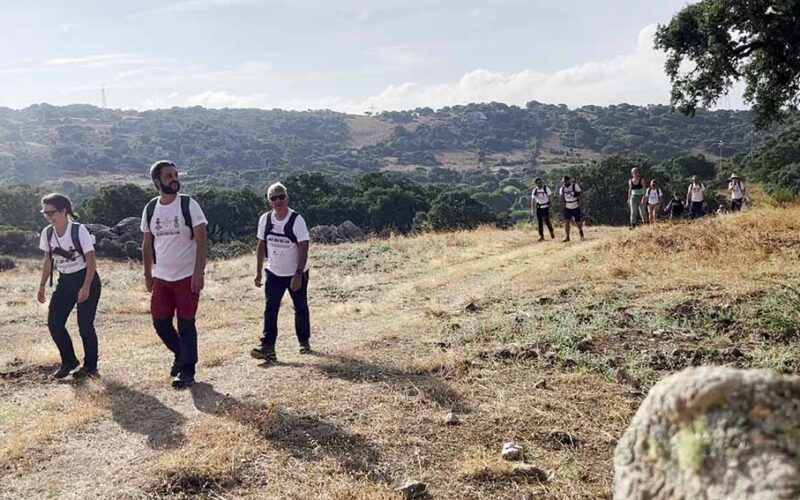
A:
x: 406, y: 330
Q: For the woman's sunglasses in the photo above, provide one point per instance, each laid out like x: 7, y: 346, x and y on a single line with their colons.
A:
x: 277, y: 197
x: 48, y: 213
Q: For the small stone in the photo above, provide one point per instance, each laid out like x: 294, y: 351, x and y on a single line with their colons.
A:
x: 659, y: 333
x: 531, y: 471
x: 511, y: 452
x: 452, y: 419
x: 540, y: 384
x: 544, y: 300
x: 410, y: 488
x: 471, y: 307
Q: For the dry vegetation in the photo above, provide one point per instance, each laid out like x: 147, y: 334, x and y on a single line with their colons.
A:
x: 407, y: 329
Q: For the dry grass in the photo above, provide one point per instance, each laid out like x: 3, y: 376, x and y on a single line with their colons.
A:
x: 407, y: 329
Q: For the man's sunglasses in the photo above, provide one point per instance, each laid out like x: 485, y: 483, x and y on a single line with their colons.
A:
x: 277, y: 197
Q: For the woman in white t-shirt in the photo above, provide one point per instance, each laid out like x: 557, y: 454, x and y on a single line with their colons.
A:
x: 655, y: 198
x: 738, y: 192
x: 69, y: 247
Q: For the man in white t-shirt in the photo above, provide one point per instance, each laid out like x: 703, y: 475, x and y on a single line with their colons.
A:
x: 696, y: 198
x: 570, y: 194
x: 283, y: 238
x: 738, y: 192
x: 541, y: 197
x: 174, y: 250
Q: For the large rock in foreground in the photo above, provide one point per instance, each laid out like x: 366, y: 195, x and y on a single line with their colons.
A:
x: 713, y: 433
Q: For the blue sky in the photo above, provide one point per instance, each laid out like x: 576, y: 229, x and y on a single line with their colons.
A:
x: 345, y: 55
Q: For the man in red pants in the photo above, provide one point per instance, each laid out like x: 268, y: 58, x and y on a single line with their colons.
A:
x: 174, y: 251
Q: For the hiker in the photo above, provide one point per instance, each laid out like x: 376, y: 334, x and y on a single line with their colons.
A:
x: 738, y: 193
x: 283, y: 238
x: 654, y: 197
x: 540, y: 200
x: 696, y: 198
x: 570, y: 194
x: 69, y: 247
x: 174, y: 251
x: 636, y: 201
x: 675, y: 207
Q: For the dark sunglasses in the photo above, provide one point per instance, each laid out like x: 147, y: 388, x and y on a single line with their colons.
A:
x: 278, y: 197
x: 48, y: 213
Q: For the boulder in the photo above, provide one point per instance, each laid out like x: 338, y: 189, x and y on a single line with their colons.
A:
x: 350, y: 232
x: 713, y: 433
x: 100, y: 232
x: 128, y: 229
x: 323, y: 234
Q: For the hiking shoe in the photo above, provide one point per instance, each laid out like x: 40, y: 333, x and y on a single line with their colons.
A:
x: 552, y: 236
x: 264, y: 354
x: 64, y: 370
x: 84, y: 372
x: 565, y: 240
x: 541, y: 238
x: 182, y: 383
x: 305, y: 348
x: 175, y: 370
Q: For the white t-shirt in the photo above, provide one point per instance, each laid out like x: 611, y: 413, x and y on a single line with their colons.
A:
x: 540, y: 194
x: 570, y: 195
x: 697, y: 192
x: 176, y: 251
x: 282, y: 254
x: 737, y: 190
x: 653, y: 196
x: 75, y: 263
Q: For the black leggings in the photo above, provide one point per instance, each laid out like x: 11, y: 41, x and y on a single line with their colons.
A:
x: 62, y: 302
x: 275, y: 289
x: 543, y: 217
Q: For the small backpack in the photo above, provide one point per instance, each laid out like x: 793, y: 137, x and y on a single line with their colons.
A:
x: 187, y: 217
x: 288, y: 228
x: 76, y: 242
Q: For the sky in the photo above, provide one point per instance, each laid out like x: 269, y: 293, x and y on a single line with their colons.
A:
x: 345, y: 55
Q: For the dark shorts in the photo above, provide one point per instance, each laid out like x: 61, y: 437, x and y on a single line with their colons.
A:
x: 736, y: 205
x: 572, y: 213
x: 697, y: 208
x: 169, y: 297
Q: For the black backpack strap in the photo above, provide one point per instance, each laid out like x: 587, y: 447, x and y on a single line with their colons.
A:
x: 187, y: 214
x: 149, y: 210
x: 76, y: 239
x: 268, y: 225
x: 50, y: 232
x: 288, y: 228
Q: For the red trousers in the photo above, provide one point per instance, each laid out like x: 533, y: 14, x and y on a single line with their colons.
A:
x: 171, y: 296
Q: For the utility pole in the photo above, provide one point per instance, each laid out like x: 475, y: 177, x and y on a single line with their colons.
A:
x: 720, y: 144
x: 104, y: 103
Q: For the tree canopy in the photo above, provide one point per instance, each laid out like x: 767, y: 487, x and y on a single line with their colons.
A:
x: 713, y: 43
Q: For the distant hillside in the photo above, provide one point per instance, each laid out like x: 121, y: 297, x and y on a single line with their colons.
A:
x: 241, y: 147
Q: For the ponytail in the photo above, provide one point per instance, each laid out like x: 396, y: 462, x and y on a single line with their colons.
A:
x: 61, y: 202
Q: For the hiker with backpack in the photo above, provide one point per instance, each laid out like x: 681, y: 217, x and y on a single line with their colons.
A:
x: 738, y: 193
x: 655, y: 198
x: 675, y: 208
x: 696, y: 198
x: 283, y: 239
x: 69, y: 247
x: 174, y: 251
x: 540, y: 201
x: 636, y: 198
x: 570, y: 194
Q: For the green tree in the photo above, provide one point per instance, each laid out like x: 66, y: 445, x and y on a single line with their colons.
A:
x: 458, y: 210
x: 113, y: 203
x: 232, y: 213
x: 20, y: 207
x: 713, y: 43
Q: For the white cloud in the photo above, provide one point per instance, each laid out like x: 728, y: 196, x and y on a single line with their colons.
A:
x: 404, y: 56
x: 636, y: 77
x: 192, y: 5
x: 100, y: 60
x: 215, y: 99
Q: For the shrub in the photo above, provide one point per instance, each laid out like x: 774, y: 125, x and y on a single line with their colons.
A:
x: 18, y: 242
x: 7, y: 263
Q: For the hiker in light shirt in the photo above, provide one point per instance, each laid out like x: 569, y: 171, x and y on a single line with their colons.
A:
x: 696, y: 198
x: 283, y: 239
x: 636, y: 198
x: 655, y: 198
x: 541, y: 197
x: 69, y: 248
x: 570, y: 194
x: 738, y: 192
x: 174, y: 250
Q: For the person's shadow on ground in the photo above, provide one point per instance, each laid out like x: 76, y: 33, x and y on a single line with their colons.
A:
x: 144, y: 414
x: 359, y: 370
x: 304, y: 437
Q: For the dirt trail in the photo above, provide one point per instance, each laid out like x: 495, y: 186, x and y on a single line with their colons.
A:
x: 347, y: 421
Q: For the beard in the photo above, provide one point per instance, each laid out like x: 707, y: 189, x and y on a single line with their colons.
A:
x: 168, y: 189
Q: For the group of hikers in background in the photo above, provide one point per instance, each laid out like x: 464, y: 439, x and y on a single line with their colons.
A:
x: 645, y: 202
x: 174, y: 249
